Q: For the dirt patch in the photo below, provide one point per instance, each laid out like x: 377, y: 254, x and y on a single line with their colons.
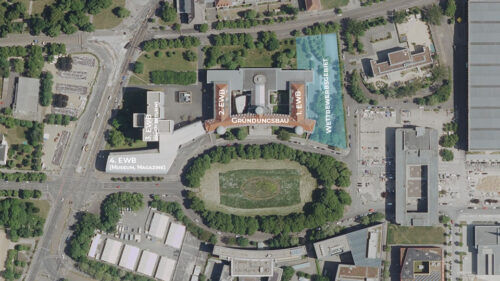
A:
x: 489, y: 184
x: 4, y: 246
x: 210, y: 194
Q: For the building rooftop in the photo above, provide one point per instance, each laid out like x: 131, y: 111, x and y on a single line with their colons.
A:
x: 158, y: 226
x: 175, y: 235
x: 251, y: 267
x: 487, y: 243
x: 112, y: 251
x: 4, y: 149
x: 416, y: 176
x: 483, y: 78
x: 129, y: 257
x: 365, y: 246
x: 154, y: 161
x: 357, y: 273
x: 400, y: 60
x: 26, y: 99
x: 96, y: 240
x: 147, y: 264
x: 422, y: 264
x: 165, y: 269
x: 250, y: 90
x: 255, y: 263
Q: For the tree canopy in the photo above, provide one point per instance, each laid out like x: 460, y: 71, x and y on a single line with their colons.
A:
x: 327, y: 206
x: 20, y: 219
x: 325, y: 169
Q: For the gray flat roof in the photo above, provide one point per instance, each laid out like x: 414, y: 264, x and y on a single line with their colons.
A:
x: 487, y: 242
x: 487, y: 235
x: 154, y: 162
x: 242, y: 79
x: 484, y: 74
x: 356, y: 243
x: 416, y: 149
x: 431, y: 255
x: 26, y: 98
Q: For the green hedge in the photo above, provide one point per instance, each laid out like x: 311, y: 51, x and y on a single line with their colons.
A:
x: 173, y: 77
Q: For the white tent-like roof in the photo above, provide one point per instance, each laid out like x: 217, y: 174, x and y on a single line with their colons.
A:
x: 165, y: 269
x: 129, y: 257
x: 175, y: 235
x: 111, y: 251
x: 93, y: 247
x: 158, y: 226
x: 147, y: 263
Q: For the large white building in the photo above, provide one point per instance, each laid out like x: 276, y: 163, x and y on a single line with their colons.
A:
x: 147, y: 264
x: 129, y: 257
x: 175, y: 235
x: 165, y: 269
x: 158, y: 226
x: 112, y: 251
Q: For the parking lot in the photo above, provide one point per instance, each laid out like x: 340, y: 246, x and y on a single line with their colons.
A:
x: 56, y: 142
x: 376, y: 144
x: 76, y: 83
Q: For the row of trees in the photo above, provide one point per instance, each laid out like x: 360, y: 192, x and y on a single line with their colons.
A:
x: 372, y: 218
x: 175, y: 209
x: 233, y: 39
x: 249, y: 23
x: 161, y: 44
x: 324, y: 168
x: 172, y: 77
x: 327, y: 206
x: 21, y: 177
x: 11, y: 122
x: 59, y: 119
x: 20, y: 219
x: 104, y: 272
x: 319, y: 28
x: 143, y: 178
x: 354, y: 88
x: 21, y: 193
x: 46, y: 89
